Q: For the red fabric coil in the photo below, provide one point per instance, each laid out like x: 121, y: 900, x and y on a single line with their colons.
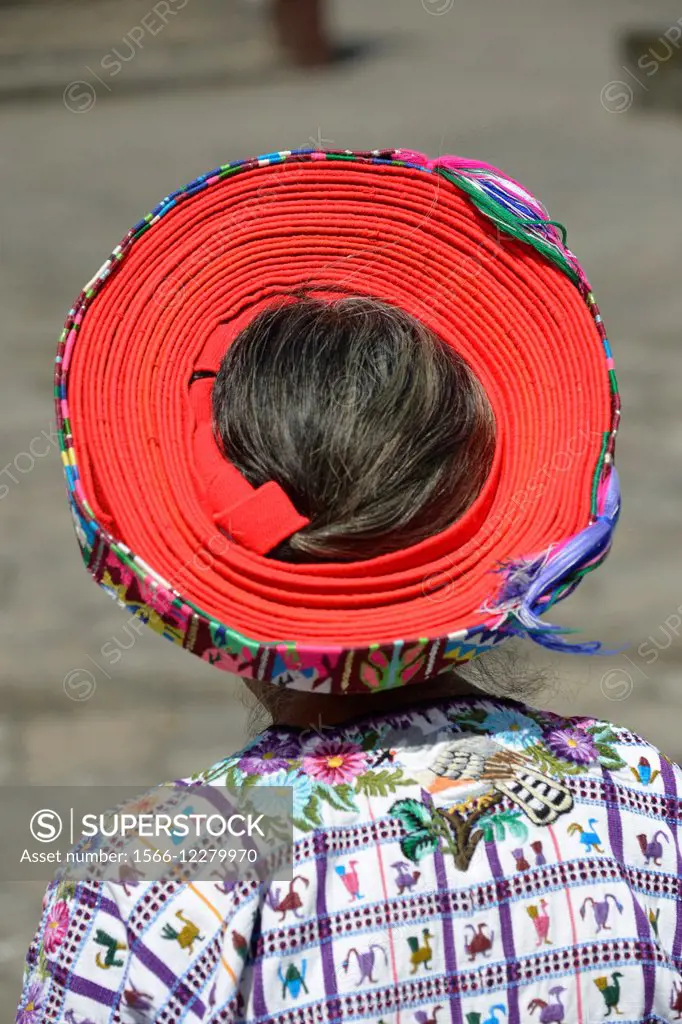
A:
x: 399, y: 234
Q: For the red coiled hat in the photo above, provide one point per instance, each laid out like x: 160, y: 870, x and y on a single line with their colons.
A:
x: 169, y: 527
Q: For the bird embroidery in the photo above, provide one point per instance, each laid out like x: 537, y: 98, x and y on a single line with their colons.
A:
x: 486, y: 773
x: 589, y: 837
x: 550, y: 1013
x: 540, y: 919
x: 611, y: 993
x: 420, y: 953
x: 350, y: 878
x: 643, y: 772
x: 292, y: 900
x: 112, y: 948
x: 422, y: 1017
x: 188, y: 934
x: 507, y: 773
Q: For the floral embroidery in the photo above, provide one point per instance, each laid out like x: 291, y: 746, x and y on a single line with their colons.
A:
x: 301, y: 786
x: 30, y: 1013
x: 261, y: 759
x: 558, y: 747
x: 496, y: 754
x: 332, y: 771
x: 56, y: 904
x: 56, y: 926
x: 573, y: 744
x: 511, y: 728
x: 334, y: 762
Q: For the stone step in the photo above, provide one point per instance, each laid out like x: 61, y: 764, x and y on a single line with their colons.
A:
x: 87, y: 50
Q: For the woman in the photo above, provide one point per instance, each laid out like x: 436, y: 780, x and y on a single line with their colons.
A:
x: 340, y: 423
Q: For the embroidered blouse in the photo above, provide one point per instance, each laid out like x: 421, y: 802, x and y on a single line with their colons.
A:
x: 471, y: 861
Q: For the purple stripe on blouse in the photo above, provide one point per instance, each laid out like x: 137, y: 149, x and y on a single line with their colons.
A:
x: 167, y: 977
x: 324, y: 932
x: 90, y: 989
x: 449, y: 949
x: 615, y: 827
x: 670, y: 787
x: 109, y: 907
x: 260, y: 1007
x: 504, y: 911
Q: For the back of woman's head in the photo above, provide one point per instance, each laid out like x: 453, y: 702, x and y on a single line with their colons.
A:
x: 377, y: 431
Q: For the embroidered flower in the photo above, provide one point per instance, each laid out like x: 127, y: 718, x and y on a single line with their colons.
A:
x: 300, y: 784
x: 335, y: 761
x: 511, y: 728
x: 261, y: 759
x: 145, y: 803
x: 56, y: 925
x: 573, y: 744
x: 30, y: 1013
x: 91, y: 843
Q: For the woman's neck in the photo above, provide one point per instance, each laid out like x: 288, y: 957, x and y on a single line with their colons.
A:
x: 314, y: 710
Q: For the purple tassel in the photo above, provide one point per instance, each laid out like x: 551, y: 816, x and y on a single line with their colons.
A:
x: 529, y: 585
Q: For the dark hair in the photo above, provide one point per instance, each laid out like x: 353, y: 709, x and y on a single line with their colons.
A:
x: 378, y: 432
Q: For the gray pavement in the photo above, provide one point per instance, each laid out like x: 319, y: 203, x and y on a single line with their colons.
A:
x: 523, y: 84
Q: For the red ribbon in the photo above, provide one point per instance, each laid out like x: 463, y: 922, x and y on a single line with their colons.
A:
x: 258, y: 518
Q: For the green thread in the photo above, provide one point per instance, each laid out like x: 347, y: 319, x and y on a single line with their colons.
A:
x: 598, y: 471
x: 555, y: 224
x: 515, y: 226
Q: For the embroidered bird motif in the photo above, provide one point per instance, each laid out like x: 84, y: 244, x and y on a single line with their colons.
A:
x: 611, y: 993
x: 422, y: 1017
x: 365, y: 961
x: 589, y: 837
x: 112, y: 948
x: 350, y: 878
x: 291, y: 901
x: 188, y: 934
x: 600, y: 910
x: 293, y: 979
x: 676, y: 1000
x: 137, y: 1000
x: 550, y: 1013
x: 480, y: 759
x: 652, y: 849
x: 240, y: 944
x: 477, y: 940
x: 420, y: 954
x: 540, y: 919
x: 643, y: 772
x: 405, y: 878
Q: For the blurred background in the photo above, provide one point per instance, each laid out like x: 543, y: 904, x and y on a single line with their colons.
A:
x: 107, y: 105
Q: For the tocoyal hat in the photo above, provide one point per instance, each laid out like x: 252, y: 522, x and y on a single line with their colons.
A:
x: 173, y: 531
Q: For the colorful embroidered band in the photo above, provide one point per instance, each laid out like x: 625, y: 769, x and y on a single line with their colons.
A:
x: 166, y: 527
